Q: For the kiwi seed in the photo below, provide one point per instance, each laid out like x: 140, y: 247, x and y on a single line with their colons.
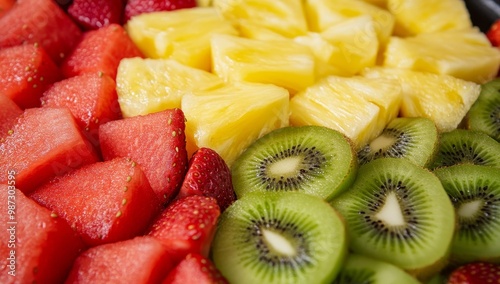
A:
x: 313, y: 159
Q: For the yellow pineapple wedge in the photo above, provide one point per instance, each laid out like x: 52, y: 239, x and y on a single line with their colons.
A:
x: 358, y: 107
x: 466, y: 55
x: 183, y: 35
x: 152, y: 85
x: 427, y: 16
x: 230, y: 118
x: 281, y: 62
x: 285, y: 17
x: 321, y: 14
x: 442, y: 98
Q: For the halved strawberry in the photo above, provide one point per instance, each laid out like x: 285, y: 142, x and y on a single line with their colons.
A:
x: 36, y: 245
x: 95, y: 14
x: 137, y: 7
x: 105, y: 202
x: 100, y: 51
x: 187, y: 226
x: 208, y: 175
x: 8, y: 116
x: 475, y: 273
x: 26, y: 71
x: 156, y: 141
x: 195, y: 268
x: 44, y: 143
x: 138, y: 260
x: 42, y: 22
x: 90, y: 97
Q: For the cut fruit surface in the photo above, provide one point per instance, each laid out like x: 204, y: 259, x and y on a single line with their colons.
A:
x: 484, y: 115
x: 152, y: 85
x: 475, y: 193
x: 428, y: 16
x: 443, y: 99
x: 279, y: 237
x: 230, y: 118
x: 285, y: 17
x: 358, y: 107
x: 412, y: 138
x: 399, y: 212
x: 183, y: 35
x: 311, y: 159
x: 467, y: 55
x: 284, y: 63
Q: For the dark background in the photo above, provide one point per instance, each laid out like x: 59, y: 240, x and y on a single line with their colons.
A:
x: 483, y: 12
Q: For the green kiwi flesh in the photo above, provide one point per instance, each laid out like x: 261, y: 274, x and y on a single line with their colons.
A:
x: 461, y: 146
x: 412, y: 138
x: 475, y: 194
x: 279, y: 237
x: 400, y: 213
x: 312, y: 159
x: 484, y: 115
x: 366, y: 270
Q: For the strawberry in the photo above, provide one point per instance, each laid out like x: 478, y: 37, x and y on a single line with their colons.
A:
x: 156, y: 141
x: 91, y: 98
x: 105, y: 202
x: 44, y: 143
x: 137, y: 7
x: 26, y: 71
x: 475, y: 273
x: 493, y: 33
x: 6, y: 5
x: 187, y: 226
x: 94, y: 14
x: 100, y: 51
x: 8, y: 116
x: 42, y: 22
x: 208, y: 175
x: 138, y: 260
x: 195, y: 268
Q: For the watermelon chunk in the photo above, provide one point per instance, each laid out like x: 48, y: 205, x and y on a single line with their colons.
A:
x: 105, y: 202
x: 25, y: 73
x: 42, y: 22
x: 45, y: 142
x: 91, y: 98
x: 139, y: 260
x: 35, y: 244
x: 100, y: 51
x: 8, y: 116
x: 156, y: 141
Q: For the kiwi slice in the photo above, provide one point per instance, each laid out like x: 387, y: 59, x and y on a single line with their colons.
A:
x: 484, y: 115
x: 462, y: 146
x: 279, y: 237
x: 400, y: 213
x: 412, y: 138
x: 312, y: 159
x: 366, y: 270
x: 475, y: 193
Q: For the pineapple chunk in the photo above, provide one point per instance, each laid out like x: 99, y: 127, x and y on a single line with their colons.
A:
x: 465, y: 55
x: 379, y: 3
x: 230, y: 118
x: 281, y: 62
x: 358, y: 107
x: 258, y: 31
x: 441, y: 98
x: 356, y: 44
x: 321, y: 14
x: 183, y: 35
x: 285, y: 17
x: 152, y: 85
x: 427, y: 16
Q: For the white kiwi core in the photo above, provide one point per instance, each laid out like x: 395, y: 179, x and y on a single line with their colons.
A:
x: 390, y: 213
x: 469, y: 209
x: 285, y: 167
x: 382, y: 142
x: 278, y: 243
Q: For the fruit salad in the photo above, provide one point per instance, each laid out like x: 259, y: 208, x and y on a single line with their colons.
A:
x: 248, y: 141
